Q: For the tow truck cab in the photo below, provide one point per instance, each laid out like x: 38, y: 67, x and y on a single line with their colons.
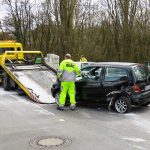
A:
x: 11, y: 46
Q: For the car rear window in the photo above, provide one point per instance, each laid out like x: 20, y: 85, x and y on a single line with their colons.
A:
x: 141, y: 72
x: 113, y: 74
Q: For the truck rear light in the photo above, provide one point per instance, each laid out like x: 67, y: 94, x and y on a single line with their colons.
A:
x: 136, y: 88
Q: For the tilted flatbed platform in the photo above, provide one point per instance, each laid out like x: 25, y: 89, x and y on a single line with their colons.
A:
x: 34, y: 79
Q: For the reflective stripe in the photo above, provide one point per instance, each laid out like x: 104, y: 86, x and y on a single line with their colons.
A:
x: 68, y: 76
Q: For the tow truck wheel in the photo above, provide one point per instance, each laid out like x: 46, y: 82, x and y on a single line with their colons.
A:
x: 20, y: 91
x: 122, y: 105
x: 57, y: 98
x: 6, y: 82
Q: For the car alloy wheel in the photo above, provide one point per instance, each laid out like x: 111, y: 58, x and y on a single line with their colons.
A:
x: 57, y: 98
x: 122, y: 105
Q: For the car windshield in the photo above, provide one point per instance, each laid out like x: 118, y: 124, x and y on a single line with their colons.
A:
x: 84, y: 65
x: 140, y: 72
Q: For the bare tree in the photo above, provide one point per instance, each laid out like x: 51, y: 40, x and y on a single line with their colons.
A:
x: 19, y: 19
x: 109, y: 30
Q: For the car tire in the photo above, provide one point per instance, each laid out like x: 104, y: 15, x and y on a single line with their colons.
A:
x: 6, y: 82
x: 122, y: 105
x: 57, y: 95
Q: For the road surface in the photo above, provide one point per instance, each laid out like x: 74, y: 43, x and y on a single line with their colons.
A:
x: 87, y: 128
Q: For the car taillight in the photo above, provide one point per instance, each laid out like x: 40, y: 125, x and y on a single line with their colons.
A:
x: 136, y: 88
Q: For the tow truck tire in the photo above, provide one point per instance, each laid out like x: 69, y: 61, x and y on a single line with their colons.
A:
x: 122, y: 105
x: 20, y: 92
x: 6, y: 82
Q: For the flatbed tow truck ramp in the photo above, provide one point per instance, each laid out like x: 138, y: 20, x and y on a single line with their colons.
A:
x: 34, y: 78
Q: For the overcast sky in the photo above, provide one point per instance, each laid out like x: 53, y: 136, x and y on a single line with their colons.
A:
x: 3, y: 9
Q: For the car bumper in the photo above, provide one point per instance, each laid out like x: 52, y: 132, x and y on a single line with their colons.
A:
x: 141, y: 98
x: 53, y: 91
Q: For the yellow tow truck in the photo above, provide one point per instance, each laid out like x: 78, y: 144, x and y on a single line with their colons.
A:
x: 26, y: 71
x: 10, y: 46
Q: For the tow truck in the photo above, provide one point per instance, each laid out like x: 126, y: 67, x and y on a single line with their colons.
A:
x: 10, y: 45
x: 27, y: 71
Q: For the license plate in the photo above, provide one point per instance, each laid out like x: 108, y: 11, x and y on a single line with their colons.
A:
x: 147, y: 87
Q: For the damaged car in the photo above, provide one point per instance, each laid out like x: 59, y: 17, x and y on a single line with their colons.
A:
x: 118, y: 84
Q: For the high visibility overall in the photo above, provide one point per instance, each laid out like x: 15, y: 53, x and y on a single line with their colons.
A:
x: 67, y: 74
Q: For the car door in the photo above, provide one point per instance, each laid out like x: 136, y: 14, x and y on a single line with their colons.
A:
x: 91, y: 84
x: 113, y: 79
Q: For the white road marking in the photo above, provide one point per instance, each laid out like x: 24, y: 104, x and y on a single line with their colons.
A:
x: 61, y: 120
x: 45, y: 111
x: 139, y: 147
x: 130, y: 114
x: 133, y: 139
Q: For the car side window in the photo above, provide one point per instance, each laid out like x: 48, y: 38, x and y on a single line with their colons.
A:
x: 86, y: 69
x: 114, y: 74
x: 94, y: 73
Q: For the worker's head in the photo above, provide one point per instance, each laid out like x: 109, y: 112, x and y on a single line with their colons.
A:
x: 67, y: 56
x: 82, y: 56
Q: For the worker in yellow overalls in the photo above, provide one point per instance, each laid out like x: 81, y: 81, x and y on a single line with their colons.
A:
x: 67, y: 72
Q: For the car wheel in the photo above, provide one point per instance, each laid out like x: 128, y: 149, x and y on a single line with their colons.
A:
x: 122, y: 105
x: 57, y: 95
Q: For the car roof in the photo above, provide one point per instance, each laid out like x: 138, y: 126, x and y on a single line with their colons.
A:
x: 87, y: 62
x: 80, y: 63
x: 125, y: 64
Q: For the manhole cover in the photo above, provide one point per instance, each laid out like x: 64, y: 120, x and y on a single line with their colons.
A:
x: 50, y: 142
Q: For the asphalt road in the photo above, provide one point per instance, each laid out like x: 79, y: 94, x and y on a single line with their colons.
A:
x: 88, y: 128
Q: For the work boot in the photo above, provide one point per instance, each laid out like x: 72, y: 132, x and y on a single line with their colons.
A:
x: 73, y: 107
x: 60, y: 107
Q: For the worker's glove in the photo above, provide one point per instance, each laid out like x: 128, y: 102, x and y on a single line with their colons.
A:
x: 78, y: 75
